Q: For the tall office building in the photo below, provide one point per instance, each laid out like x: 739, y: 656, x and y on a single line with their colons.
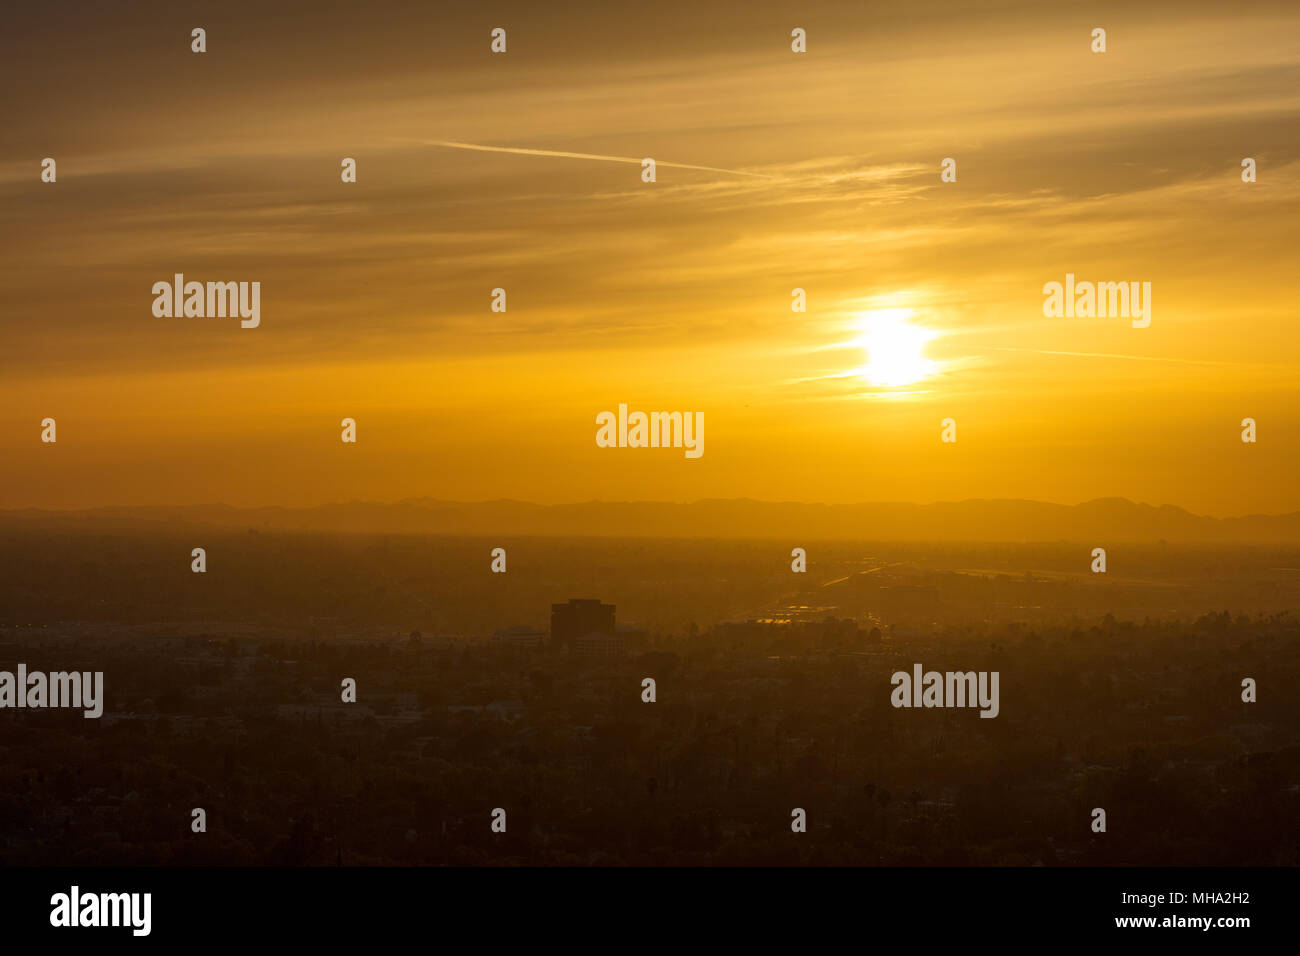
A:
x: 579, y: 618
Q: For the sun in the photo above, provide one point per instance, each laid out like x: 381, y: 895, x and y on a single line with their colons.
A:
x: 895, y: 348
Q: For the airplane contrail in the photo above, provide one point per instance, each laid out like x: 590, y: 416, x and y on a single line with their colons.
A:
x: 1135, y: 358
x: 562, y: 154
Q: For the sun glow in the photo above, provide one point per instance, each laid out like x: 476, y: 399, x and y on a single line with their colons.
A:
x: 895, y: 348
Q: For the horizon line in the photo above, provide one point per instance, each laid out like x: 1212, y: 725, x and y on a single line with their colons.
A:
x: 412, y: 500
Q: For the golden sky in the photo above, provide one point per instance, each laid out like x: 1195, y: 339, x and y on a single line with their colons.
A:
x: 823, y: 174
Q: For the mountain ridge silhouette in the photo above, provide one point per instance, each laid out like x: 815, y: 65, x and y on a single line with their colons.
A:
x: 1097, y: 521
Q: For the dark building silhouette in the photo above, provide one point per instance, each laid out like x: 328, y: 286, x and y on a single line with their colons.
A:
x: 521, y: 636
x: 599, y: 644
x: 580, y: 618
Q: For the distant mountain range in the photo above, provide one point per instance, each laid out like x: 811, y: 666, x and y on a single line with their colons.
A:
x: 1099, y: 521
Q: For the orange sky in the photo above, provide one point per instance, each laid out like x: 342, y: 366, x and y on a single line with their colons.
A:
x: 1123, y: 166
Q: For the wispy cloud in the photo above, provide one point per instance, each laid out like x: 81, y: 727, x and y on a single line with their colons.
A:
x: 1112, y: 355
